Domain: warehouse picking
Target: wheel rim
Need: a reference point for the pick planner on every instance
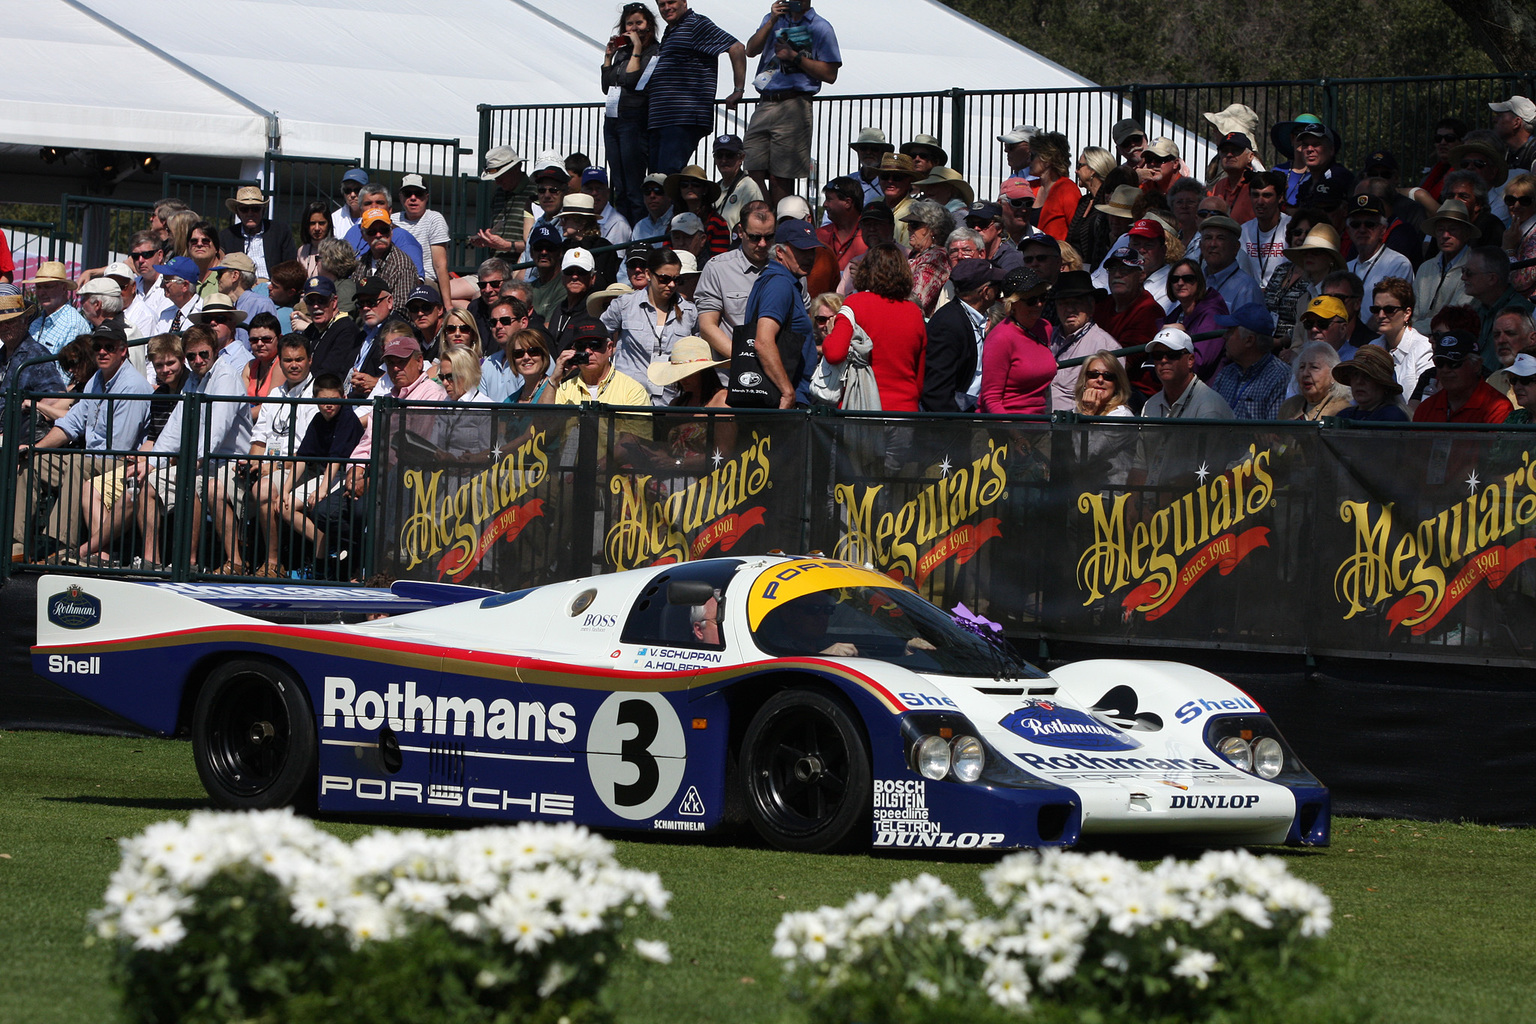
(800, 780)
(248, 735)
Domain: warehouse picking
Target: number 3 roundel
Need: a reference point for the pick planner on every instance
(636, 754)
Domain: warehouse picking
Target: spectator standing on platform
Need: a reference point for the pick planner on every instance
(1254, 381)
(682, 81)
(427, 226)
(266, 241)
(627, 56)
(799, 54)
(58, 322)
(1463, 395)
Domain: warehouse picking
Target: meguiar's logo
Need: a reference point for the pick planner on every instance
(688, 523)
(1201, 524)
(461, 525)
(935, 526)
(74, 609)
(1417, 563)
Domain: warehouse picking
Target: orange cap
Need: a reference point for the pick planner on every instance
(375, 216)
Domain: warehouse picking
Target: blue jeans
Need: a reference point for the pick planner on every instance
(628, 145)
(674, 145)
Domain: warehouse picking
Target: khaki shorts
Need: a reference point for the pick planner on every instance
(162, 480)
(778, 139)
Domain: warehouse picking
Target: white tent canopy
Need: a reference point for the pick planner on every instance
(214, 77)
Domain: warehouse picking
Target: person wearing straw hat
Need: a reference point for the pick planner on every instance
(57, 323)
(870, 145)
(1314, 259)
(237, 279)
(926, 153)
(266, 241)
(17, 349)
(897, 173)
(1373, 386)
(646, 324)
(945, 186)
(682, 374)
(1439, 281)
(1239, 118)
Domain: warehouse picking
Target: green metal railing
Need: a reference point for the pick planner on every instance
(100, 224)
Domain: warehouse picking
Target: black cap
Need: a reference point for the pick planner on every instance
(1456, 346)
(1022, 281)
(1368, 204)
(587, 329)
(372, 286)
(107, 331)
(984, 210)
(1235, 139)
(845, 187)
(1327, 194)
(879, 212)
(1076, 284)
(1382, 159)
(968, 275)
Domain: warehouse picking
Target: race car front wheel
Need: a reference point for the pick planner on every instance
(805, 767)
(253, 736)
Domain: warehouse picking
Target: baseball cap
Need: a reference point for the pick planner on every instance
(578, 258)
(687, 223)
(638, 254)
(1125, 254)
(729, 144)
(1250, 316)
(587, 328)
(545, 236)
(403, 346)
(1146, 228)
(796, 233)
(1235, 140)
(356, 174)
(100, 286)
(237, 261)
(879, 212)
(596, 174)
(1523, 366)
(984, 210)
(318, 285)
(373, 286)
(1123, 130)
(845, 187)
(1381, 159)
(184, 267)
(1328, 307)
(793, 207)
(1327, 195)
(1040, 238)
(1163, 147)
(413, 181)
(1019, 133)
(425, 293)
(117, 334)
(1368, 204)
(376, 216)
(1017, 188)
(1455, 346)
(121, 270)
(1520, 106)
(968, 275)
(1172, 338)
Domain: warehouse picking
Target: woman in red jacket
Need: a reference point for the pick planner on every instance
(883, 284)
(1017, 366)
(1056, 195)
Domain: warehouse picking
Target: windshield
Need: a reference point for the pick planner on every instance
(883, 621)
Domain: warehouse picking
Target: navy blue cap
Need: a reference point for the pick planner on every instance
(968, 275)
(1040, 238)
(318, 285)
(984, 209)
(1125, 254)
(425, 293)
(592, 174)
(545, 235)
(796, 233)
(1250, 316)
(356, 174)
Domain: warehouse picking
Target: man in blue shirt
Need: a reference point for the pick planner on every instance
(799, 52)
(681, 83)
(776, 303)
(114, 425)
(376, 197)
(58, 323)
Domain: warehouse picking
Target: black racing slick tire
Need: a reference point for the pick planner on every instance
(253, 737)
(805, 769)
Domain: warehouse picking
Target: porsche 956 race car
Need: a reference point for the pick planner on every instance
(824, 703)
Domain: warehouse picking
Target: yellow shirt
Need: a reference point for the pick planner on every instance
(614, 389)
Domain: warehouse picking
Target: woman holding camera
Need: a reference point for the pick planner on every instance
(629, 52)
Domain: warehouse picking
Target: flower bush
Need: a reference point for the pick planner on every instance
(262, 916)
(1079, 937)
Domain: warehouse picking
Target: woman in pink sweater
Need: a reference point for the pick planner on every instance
(894, 324)
(1017, 366)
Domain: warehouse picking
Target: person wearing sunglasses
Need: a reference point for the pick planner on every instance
(500, 377)
(1017, 360)
(1482, 153)
(384, 259)
(332, 335)
(897, 174)
(656, 206)
(1161, 166)
(267, 242)
(647, 324)
(1522, 384)
(148, 297)
(1448, 131)
(1391, 313)
(1182, 395)
(1520, 239)
(1463, 395)
(1195, 306)
(1485, 277)
(1129, 313)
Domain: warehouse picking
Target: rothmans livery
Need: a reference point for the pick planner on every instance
(825, 703)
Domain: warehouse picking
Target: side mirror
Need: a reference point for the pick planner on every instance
(689, 592)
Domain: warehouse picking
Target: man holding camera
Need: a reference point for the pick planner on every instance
(799, 52)
(587, 374)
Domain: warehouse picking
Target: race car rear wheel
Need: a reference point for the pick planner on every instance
(253, 736)
(805, 768)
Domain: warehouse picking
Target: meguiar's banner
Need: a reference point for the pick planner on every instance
(1276, 536)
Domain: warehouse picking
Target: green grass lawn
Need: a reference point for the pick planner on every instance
(1438, 921)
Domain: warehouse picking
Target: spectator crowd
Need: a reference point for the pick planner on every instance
(1113, 281)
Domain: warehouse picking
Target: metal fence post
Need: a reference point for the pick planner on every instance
(383, 411)
(1138, 104)
(1330, 103)
(957, 129)
(186, 489)
(584, 499)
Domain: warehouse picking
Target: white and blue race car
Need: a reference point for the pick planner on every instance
(825, 703)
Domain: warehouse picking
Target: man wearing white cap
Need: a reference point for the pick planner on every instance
(1016, 148)
(428, 227)
(59, 323)
(657, 222)
(1515, 122)
(1184, 396)
(514, 194)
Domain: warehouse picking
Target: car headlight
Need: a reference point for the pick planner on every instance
(933, 758)
(969, 757)
(1236, 750)
(1268, 757)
